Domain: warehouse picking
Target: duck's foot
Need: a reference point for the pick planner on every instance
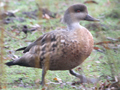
(82, 78)
(42, 83)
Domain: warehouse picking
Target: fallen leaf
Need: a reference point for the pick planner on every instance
(4, 87)
(2, 4)
(37, 81)
(15, 11)
(103, 42)
(58, 80)
(97, 61)
(96, 48)
(118, 22)
(48, 12)
(78, 69)
(106, 47)
(46, 16)
(43, 88)
(14, 86)
(91, 1)
(112, 39)
(27, 76)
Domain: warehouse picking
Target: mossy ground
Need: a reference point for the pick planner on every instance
(22, 78)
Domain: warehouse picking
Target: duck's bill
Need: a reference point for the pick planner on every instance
(90, 18)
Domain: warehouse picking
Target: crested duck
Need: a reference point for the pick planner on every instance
(60, 49)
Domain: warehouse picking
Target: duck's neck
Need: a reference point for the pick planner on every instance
(73, 26)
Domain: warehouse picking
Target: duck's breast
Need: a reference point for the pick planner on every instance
(73, 48)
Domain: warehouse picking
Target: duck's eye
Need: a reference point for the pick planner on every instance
(78, 10)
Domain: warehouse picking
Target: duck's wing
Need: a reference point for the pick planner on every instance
(27, 48)
(45, 38)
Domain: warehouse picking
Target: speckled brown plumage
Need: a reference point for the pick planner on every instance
(60, 49)
(65, 52)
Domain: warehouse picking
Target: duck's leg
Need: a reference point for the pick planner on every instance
(45, 67)
(82, 78)
(73, 73)
(44, 71)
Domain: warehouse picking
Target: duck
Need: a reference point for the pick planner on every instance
(62, 49)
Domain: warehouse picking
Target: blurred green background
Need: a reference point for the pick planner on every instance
(23, 21)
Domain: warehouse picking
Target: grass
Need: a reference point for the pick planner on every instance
(22, 78)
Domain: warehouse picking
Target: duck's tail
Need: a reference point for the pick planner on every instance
(23, 48)
(10, 63)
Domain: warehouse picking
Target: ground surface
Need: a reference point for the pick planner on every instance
(103, 62)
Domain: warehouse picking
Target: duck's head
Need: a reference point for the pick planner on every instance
(75, 13)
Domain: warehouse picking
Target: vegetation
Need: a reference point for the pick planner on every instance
(103, 63)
